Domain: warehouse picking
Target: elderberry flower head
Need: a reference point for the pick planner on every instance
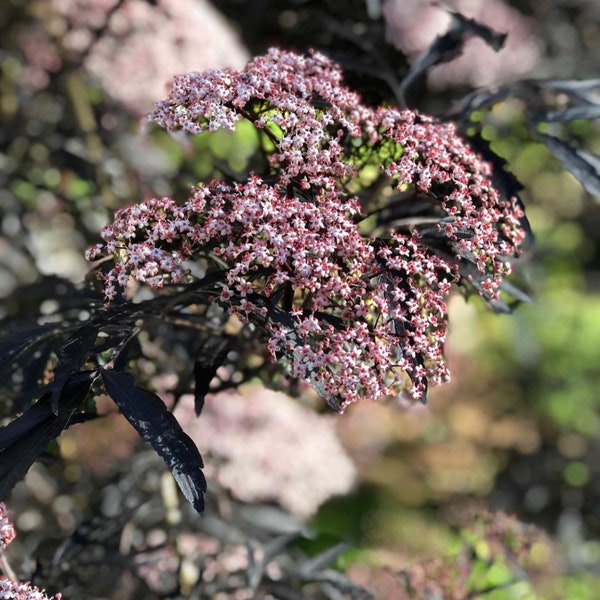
(347, 282)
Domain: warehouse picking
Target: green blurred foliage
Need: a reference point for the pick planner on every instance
(518, 427)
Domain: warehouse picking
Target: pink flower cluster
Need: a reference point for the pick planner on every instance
(478, 224)
(8, 587)
(354, 313)
(22, 591)
(7, 530)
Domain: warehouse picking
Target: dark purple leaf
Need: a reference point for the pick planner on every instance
(468, 26)
(583, 90)
(323, 559)
(71, 358)
(23, 440)
(447, 47)
(569, 85)
(584, 112)
(82, 344)
(19, 341)
(584, 166)
(150, 417)
(212, 355)
(515, 292)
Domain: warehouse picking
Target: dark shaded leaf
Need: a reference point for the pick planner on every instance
(337, 585)
(212, 355)
(584, 166)
(322, 560)
(468, 26)
(26, 301)
(585, 112)
(99, 530)
(256, 570)
(148, 414)
(83, 343)
(25, 439)
(583, 90)
(18, 341)
(24, 359)
(22, 425)
(477, 100)
(472, 279)
(515, 292)
(570, 85)
(447, 47)
(131, 349)
(409, 210)
(71, 357)
(269, 518)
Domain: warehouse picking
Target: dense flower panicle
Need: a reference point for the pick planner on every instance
(298, 100)
(357, 314)
(478, 224)
(22, 591)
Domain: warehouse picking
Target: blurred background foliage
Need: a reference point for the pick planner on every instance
(518, 428)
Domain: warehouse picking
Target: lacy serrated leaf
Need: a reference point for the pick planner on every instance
(150, 417)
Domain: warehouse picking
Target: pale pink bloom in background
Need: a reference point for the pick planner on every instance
(264, 446)
(41, 58)
(412, 25)
(146, 45)
(140, 48)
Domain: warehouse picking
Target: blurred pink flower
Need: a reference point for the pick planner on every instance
(41, 58)
(265, 446)
(413, 24)
(141, 45)
(146, 45)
